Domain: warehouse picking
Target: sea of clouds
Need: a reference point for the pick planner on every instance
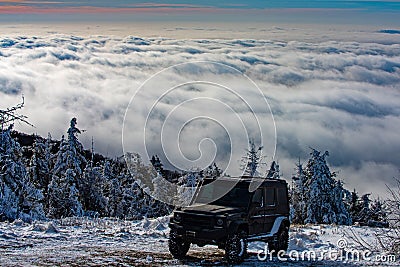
(343, 97)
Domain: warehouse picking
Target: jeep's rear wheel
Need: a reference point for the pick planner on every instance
(236, 247)
(281, 242)
(177, 245)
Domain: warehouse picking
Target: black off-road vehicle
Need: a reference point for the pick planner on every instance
(231, 220)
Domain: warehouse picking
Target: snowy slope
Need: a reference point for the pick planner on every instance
(96, 242)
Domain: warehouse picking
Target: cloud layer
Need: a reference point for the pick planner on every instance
(336, 96)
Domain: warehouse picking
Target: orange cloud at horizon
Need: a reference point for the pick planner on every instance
(146, 8)
(30, 2)
(165, 5)
(91, 10)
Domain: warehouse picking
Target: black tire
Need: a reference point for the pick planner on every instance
(236, 247)
(281, 242)
(177, 246)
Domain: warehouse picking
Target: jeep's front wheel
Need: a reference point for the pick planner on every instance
(281, 240)
(236, 247)
(177, 246)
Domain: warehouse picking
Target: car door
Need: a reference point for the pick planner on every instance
(270, 204)
(257, 212)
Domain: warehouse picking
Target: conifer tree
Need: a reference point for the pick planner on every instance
(113, 190)
(213, 171)
(365, 213)
(39, 165)
(188, 185)
(339, 200)
(143, 174)
(134, 200)
(298, 196)
(67, 176)
(252, 160)
(355, 206)
(18, 196)
(274, 172)
(156, 162)
(379, 212)
(92, 188)
(324, 195)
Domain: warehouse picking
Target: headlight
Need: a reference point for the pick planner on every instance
(177, 217)
(220, 222)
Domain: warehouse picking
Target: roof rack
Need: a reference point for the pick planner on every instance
(244, 178)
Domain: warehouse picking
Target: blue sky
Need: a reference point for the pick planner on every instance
(238, 4)
(296, 11)
(224, 4)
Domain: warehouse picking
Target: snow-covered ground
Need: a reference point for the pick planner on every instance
(108, 242)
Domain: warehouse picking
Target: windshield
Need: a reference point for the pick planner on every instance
(238, 196)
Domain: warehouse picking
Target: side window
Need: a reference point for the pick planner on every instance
(270, 196)
(258, 198)
(282, 196)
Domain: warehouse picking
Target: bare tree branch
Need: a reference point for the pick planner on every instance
(9, 115)
(390, 240)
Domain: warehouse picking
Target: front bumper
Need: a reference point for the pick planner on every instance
(199, 236)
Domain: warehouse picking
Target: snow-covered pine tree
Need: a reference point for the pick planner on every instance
(66, 180)
(252, 160)
(143, 174)
(136, 203)
(136, 188)
(113, 189)
(274, 172)
(298, 196)
(187, 189)
(355, 207)
(72, 205)
(115, 202)
(164, 191)
(319, 187)
(161, 186)
(369, 212)
(340, 196)
(156, 162)
(92, 188)
(18, 197)
(123, 193)
(213, 171)
(365, 213)
(323, 200)
(48, 147)
(64, 196)
(70, 154)
(39, 165)
(379, 213)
